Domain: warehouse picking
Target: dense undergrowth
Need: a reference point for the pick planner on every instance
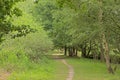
(24, 58)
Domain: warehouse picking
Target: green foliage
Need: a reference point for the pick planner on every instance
(84, 23)
(8, 10)
(61, 26)
(39, 45)
(34, 45)
(43, 13)
(12, 55)
(25, 57)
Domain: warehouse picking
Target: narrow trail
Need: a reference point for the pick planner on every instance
(71, 70)
(4, 75)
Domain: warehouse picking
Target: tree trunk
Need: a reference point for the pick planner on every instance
(106, 54)
(76, 52)
(70, 51)
(84, 51)
(101, 54)
(65, 50)
(104, 41)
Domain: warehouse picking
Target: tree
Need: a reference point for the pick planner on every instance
(43, 13)
(8, 10)
(92, 15)
(104, 41)
(82, 25)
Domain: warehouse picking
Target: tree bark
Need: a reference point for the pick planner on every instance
(104, 41)
(106, 54)
(101, 54)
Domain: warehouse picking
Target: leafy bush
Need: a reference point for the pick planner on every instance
(37, 45)
(20, 52)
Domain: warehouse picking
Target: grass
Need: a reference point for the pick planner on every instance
(53, 70)
(60, 72)
(47, 69)
(86, 69)
(42, 71)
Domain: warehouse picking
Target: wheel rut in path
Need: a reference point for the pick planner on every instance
(71, 70)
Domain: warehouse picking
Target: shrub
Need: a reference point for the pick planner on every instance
(20, 52)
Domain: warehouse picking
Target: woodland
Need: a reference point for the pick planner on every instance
(59, 39)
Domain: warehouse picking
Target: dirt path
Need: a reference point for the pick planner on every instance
(71, 70)
(4, 75)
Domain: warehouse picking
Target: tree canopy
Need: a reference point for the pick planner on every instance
(88, 27)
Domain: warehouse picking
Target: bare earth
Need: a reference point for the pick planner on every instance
(4, 75)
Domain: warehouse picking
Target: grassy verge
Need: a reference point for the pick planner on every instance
(42, 71)
(86, 69)
(49, 70)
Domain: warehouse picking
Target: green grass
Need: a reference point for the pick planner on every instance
(86, 69)
(47, 69)
(53, 70)
(60, 72)
(42, 71)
